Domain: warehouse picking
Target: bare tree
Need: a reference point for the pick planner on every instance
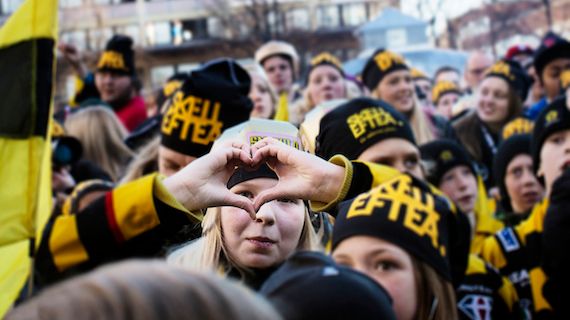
(428, 11)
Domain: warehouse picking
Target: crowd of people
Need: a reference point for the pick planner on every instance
(258, 191)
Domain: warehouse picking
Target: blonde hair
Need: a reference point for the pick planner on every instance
(145, 162)
(435, 295)
(254, 68)
(419, 122)
(209, 253)
(102, 137)
(140, 289)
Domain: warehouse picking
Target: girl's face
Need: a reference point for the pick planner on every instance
(460, 185)
(522, 186)
(271, 237)
(261, 97)
(397, 89)
(493, 101)
(325, 83)
(387, 264)
(397, 153)
(445, 104)
(554, 157)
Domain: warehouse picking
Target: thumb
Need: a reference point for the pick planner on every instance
(267, 196)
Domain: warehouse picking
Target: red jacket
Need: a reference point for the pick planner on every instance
(132, 114)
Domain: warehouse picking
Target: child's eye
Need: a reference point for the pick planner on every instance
(287, 200)
(246, 194)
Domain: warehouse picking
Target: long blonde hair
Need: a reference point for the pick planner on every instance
(419, 122)
(209, 253)
(102, 137)
(145, 162)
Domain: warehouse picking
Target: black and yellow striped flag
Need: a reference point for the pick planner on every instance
(26, 86)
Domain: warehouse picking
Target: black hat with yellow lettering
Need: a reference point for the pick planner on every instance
(442, 88)
(440, 156)
(552, 47)
(118, 56)
(519, 125)
(213, 98)
(554, 118)
(406, 212)
(512, 72)
(327, 59)
(381, 63)
(353, 127)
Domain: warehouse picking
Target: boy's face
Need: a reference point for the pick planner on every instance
(554, 157)
(551, 76)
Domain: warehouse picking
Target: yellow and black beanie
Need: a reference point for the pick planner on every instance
(440, 156)
(512, 72)
(442, 88)
(551, 47)
(519, 125)
(324, 58)
(554, 118)
(213, 98)
(417, 74)
(353, 127)
(508, 149)
(256, 130)
(405, 212)
(173, 83)
(379, 65)
(119, 56)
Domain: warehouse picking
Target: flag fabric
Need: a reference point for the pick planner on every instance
(26, 86)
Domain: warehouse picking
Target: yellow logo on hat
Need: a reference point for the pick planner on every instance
(370, 120)
(409, 205)
(170, 87)
(446, 156)
(517, 126)
(442, 88)
(501, 68)
(551, 116)
(193, 113)
(386, 59)
(326, 57)
(112, 60)
(565, 79)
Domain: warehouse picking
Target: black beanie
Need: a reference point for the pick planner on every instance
(551, 47)
(172, 84)
(118, 56)
(512, 72)
(381, 63)
(324, 58)
(555, 117)
(404, 211)
(508, 150)
(310, 285)
(442, 155)
(213, 98)
(519, 125)
(442, 88)
(353, 127)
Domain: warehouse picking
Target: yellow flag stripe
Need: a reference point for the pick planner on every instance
(34, 19)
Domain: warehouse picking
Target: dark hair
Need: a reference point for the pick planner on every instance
(445, 69)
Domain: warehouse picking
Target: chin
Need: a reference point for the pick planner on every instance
(260, 261)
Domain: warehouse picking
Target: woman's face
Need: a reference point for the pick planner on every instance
(554, 157)
(397, 153)
(271, 237)
(446, 103)
(493, 101)
(460, 185)
(325, 83)
(261, 97)
(522, 186)
(387, 264)
(397, 89)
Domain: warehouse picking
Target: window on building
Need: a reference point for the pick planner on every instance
(354, 14)
(194, 29)
(159, 33)
(328, 17)
(298, 19)
(215, 28)
(98, 38)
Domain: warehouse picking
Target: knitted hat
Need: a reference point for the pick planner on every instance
(404, 211)
(417, 74)
(278, 48)
(310, 285)
(442, 88)
(256, 130)
(508, 150)
(118, 56)
(440, 156)
(554, 118)
(381, 63)
(518, 49)
(214, 97)
(518, 125)
(514, 74)
(324, 58)
(551, 47)
(360, 123)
